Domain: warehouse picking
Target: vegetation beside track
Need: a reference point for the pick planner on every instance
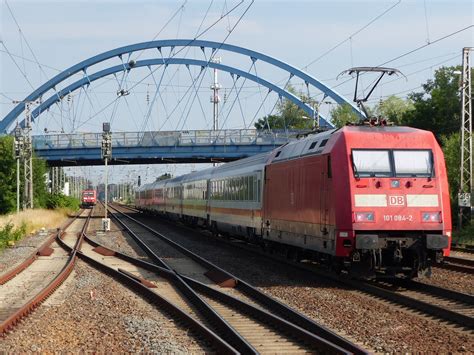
(10, 234)
(14, 227)
(465, 235)
(55, 201)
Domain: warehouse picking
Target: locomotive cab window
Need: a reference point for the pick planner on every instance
(371, 163)
(413, 163)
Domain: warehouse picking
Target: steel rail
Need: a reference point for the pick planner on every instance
(462, 261)
(299, 320)
(465, 249)
(436, 291)
(462, 265)
(35, 301)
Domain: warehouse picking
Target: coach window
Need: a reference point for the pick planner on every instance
(413, 163)
(259, 189)
(246, 189)
(251, 197)
(371, 163)
(231, 189)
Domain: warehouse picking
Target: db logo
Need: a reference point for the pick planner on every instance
(396, 200)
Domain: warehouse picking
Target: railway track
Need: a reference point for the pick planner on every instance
(263, 322)
(452, 306)
(468, 249)
(458, 264)
(26, 286)
(150, 282)
(439, 305)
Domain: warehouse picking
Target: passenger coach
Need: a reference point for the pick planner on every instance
(360, 198)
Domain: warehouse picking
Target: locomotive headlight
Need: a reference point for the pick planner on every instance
(364, 217)
(431, 217)
(395, 184)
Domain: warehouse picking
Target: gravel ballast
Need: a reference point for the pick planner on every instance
(94, 313)
(15, 255)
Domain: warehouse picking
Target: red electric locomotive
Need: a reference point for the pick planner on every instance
(89, 198)
(364, 199)
(368, 199)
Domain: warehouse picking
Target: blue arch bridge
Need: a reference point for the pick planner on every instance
(166, 147)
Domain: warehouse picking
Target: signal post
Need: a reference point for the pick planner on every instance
(106, 155)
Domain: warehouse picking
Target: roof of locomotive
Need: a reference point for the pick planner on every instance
(320, 143)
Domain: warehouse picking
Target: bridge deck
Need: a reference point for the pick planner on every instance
(158, 147)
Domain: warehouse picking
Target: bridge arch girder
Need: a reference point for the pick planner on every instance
(172, 61)
(159, 44)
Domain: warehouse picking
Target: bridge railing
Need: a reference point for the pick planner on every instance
(165, 138)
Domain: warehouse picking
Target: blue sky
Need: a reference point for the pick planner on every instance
(62, 33)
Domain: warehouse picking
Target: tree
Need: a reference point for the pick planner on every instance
(342, 115)
(40, 191)
(452, 156)
(7, 175)
(437, 109)
(8, 178)
(289, 115)
(394, 109)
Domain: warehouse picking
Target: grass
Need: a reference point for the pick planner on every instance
(14, 227)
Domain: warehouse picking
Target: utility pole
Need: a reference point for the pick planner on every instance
(106, 155)
(215, 99)
(466, 187)
(26, 154)
(28, 161)
(18, 148)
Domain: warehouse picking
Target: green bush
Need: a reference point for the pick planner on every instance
(11, 234)
(55, 201)
(465, 235)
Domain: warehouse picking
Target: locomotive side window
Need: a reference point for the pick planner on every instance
(371, 163)
(413, 162)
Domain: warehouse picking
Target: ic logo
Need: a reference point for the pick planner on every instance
(396, 200)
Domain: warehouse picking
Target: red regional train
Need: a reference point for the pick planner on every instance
(88, 198)
(369, 200)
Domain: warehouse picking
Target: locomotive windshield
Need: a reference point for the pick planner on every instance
(388, 163)
(413, 162)
(371, 163)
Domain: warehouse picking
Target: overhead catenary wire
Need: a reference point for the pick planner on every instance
(24, 37)
(410, 52)
(25, 76)
(349, 38)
